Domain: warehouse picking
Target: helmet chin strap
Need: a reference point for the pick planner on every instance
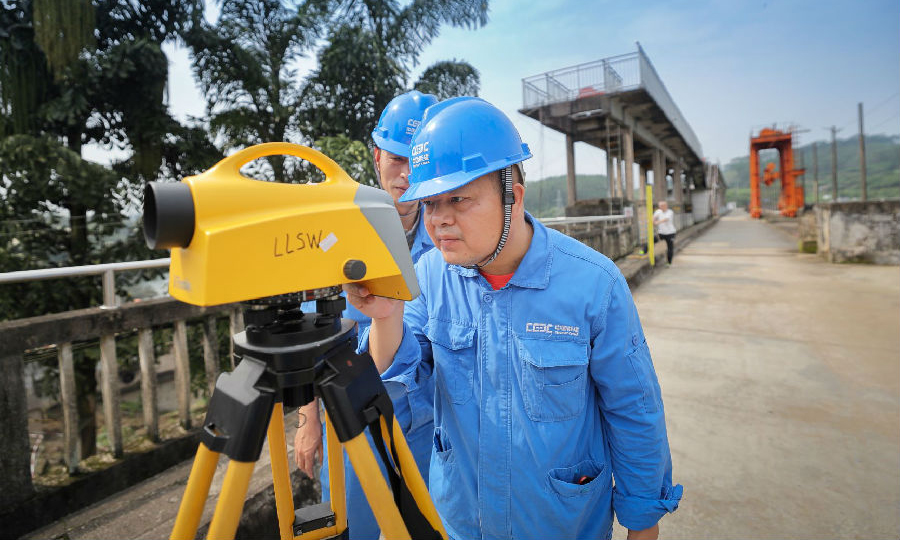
(508, 200)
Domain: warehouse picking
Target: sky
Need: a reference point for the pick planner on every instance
(731, 66)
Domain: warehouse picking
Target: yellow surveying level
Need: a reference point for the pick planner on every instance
(273, 246)
(236, 239)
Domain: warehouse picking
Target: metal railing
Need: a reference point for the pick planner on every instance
(613, 74)
(610, 75)
(580, 219)
(107, 270)
(585, 223)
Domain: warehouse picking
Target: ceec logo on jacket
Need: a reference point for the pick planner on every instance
(550, 328)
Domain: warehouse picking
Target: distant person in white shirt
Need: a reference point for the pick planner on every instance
(664, 220)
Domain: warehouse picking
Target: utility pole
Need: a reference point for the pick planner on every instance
(834, 186)
(816, 170)
(862, 154)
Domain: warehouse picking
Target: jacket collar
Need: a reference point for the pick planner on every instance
(534, 269)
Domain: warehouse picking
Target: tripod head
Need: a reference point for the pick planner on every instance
(286, 356)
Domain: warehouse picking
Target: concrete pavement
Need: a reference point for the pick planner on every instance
(781, 380)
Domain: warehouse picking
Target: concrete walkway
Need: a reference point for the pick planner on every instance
(781, 379)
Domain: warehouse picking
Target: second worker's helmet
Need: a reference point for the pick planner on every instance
(459, 140)
(399, 121)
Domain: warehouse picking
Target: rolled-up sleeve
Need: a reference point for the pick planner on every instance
(407, 357)
(634, 420)
(638, 513)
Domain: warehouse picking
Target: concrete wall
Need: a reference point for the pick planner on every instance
(596, 207)
(808, 232)
(613, 239)
(15, 451)
(683, 220)
(700, 204)
(640, 221)
(859, 231)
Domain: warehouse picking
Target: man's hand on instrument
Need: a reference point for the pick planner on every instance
(375, 307)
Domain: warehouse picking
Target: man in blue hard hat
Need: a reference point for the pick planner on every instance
(545, 392)
(412, 401)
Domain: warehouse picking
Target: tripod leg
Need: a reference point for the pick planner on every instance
(336, 476)
(231, 500)
(412, 477)
(377, 493)
(281, 476)
(195, 494)
(337, 506)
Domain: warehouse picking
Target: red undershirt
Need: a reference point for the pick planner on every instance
(497, 281)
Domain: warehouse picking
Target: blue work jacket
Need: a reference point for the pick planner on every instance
(411, 394)
(545, 394)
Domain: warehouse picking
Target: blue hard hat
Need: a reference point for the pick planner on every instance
(399, 120)
(459, 140)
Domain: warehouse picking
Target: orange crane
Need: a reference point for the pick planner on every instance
(791, 197)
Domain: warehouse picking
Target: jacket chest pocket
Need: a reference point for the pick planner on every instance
(454, 358)
(554, 378)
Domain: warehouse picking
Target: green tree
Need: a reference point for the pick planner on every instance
(77, 72)
(350, 87)
(368, 56)
(246, 67)
(353, 156)
(74, 72)
(449, 79)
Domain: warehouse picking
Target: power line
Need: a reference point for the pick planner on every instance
(870, 111)
(876, 107)
(884, 121)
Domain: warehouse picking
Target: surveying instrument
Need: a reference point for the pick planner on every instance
(272, 246)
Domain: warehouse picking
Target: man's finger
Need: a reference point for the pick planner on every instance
(356, 289)
(306, 465)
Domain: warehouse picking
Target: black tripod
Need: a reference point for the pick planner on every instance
(286, 358)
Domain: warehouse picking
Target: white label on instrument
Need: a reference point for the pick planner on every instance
(328, 242)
